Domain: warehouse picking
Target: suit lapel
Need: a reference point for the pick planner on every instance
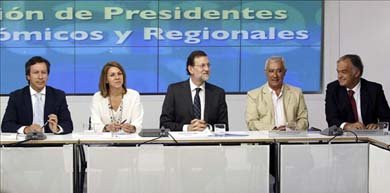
(48, 104)
(188, 97)
(28, 105)
(346, 105)
(47, 109)
(207, 98)
(286, 100)
(364, 99)
(269, 102)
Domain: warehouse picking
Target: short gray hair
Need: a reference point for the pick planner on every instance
(274, 59)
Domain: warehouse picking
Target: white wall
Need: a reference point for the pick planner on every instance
(360, 27)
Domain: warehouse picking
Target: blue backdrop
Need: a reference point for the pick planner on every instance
(152, 39)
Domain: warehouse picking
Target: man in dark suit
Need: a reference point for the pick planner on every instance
(193, 104)
(37, 107)
(352, 102)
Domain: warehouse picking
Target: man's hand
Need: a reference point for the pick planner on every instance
(372, 126)
(33, 128)
(280, 128)
(356, 125)
(197, 125)
(128, 128)
(53, 123)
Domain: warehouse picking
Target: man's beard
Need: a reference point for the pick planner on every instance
(205, 77)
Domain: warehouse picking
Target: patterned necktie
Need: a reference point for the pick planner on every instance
(38, 109)
(196, 105)
(353, 104)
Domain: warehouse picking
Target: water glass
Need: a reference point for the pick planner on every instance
(219, 129)
(385, 127)
(291, 126)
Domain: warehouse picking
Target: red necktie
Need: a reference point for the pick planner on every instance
(353, 104)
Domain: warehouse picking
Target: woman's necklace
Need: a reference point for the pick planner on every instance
(115, 116)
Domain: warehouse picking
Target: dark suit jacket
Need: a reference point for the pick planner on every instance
(373, 104)
(19, 110)
(177, 108)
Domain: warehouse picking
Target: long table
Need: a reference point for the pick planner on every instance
(202, 163)
(379, 167)
(42, 166)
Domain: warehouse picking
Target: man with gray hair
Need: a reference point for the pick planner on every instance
(274, 104)
(351, 101)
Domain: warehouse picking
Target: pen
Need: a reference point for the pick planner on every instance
(123, 121)
(44, 125)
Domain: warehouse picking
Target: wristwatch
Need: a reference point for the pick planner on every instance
(105, 128)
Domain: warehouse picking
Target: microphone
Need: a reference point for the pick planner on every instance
(164, 132)
(37, 135)
(332, 131)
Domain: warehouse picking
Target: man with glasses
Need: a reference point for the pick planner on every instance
(274, 104)
(193, 104)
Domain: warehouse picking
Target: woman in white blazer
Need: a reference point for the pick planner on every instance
(115, 107)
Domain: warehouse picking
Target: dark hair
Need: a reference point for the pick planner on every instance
(192, 56)
(103, 85)
(355, 60)
(34, 60)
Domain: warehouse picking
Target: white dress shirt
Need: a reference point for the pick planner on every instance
(33, 102)
(202, 99)
(356, 96)
(277, 101)
(132, 110)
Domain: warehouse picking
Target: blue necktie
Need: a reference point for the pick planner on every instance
(196, 106)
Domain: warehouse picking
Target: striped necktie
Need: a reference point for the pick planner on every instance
(196, 106)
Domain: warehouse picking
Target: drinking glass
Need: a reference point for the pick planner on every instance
(219, 129)
(385, 127)
(291, 126)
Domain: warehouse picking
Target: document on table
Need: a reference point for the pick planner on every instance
(237, 133)
(103, 135)
(191, 134)
(204, 134)
(8, 136)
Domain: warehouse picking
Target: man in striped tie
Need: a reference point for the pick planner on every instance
(194, 104)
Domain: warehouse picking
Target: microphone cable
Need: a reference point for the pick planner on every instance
(151, 140)
(331, 139)
(25, 140)
(18, 143)
(356, 136)
(170, 135)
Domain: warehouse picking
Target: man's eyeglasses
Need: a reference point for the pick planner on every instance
(203, 65)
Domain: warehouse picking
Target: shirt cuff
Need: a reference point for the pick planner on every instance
(60, 131)
(185, 128)
(21, 130)
(342, 125)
